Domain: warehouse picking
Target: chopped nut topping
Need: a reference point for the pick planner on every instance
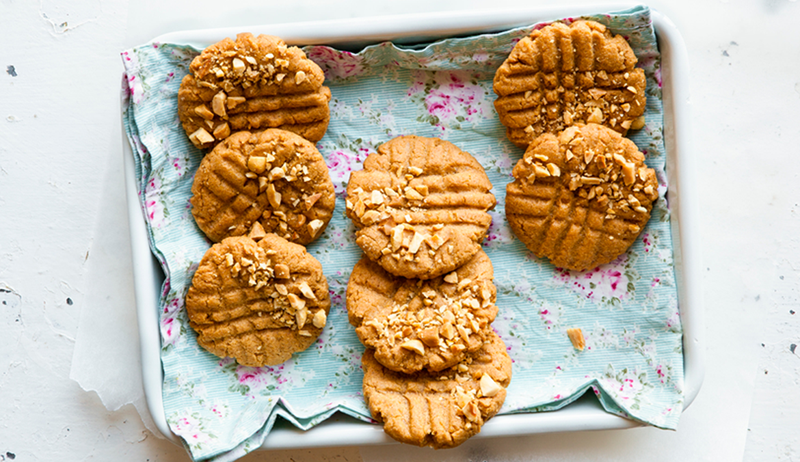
(638, 123)
(540, 171)
(203, 112)
(238, 66)
(301, 316)
(416, 242)
(257, 164)
(299, 77)
(553, 169)
(282, 272)
(257, 232)
(277, 173)
(201, 136)
(413, 194)
(274, 197)
(595, 117)
(436, 241)
(489, 387)
(218, 104)
(319, 320)
(311, 200)
(296, 302)
(304, 333)
(370, 216)
(430, 337)
(222, 131)
(416, 171)
(234, 101)
(414, 345)
(315, 226)
(451, 278)
(306, 291)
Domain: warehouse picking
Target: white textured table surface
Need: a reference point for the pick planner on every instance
(65, 268)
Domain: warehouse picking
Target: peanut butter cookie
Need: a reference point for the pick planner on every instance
(252, 83)
(439, 409)
(561, 75)
(580, 198)
(413, 324)
(420, 206)
(257, 301)
(273, 177)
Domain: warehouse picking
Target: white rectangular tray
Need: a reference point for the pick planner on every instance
(584, 414)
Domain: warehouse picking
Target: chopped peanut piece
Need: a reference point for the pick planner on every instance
(301, 316)
(282, 271)
(218, 104)
(203, 112)
(306, 291)
(414, 345)
(257, 164)
(489, 387)
(452, 278)
(296, 302)
(201, 136)
(315, 226)
(222, 131)
(257, 232)
(320, 318)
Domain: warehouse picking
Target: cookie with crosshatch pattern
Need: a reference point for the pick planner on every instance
(420, 206)
(439, 409)
(272, 177)
(252, 83)
(413, 324)
(582, 197)
(257, 299)
(561, 75)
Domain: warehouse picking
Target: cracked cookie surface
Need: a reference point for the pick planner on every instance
(249, 84)
(257, 301)
(420, 206)
(413, 324)
(273, 177)
(439, 409)
(580, 198)
(563, 75)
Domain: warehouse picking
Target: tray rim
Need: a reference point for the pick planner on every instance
(583, 414)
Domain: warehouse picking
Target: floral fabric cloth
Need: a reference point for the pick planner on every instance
(628, 309)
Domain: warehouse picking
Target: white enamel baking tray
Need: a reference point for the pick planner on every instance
(584, 414)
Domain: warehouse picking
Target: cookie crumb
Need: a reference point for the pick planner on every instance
(576, 337)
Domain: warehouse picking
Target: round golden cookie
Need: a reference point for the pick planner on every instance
(420, 206)
(413, 324)
(257, 301)
(439, 409)
(252, 83)
(562, 75)
(580, 198)
(272, 177)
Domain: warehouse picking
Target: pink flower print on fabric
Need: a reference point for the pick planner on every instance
(450, 98)
(602, 283)
(170, 326)
(499, 232)
(132, 77)
(152, 202)
(336, 64)
(341, 162)
(190, 428)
